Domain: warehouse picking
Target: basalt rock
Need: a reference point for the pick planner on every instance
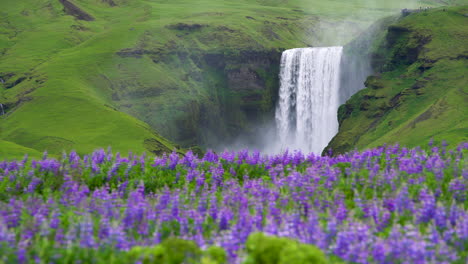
(73, 10)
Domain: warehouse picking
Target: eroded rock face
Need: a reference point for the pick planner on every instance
(247, 75)
(184, 26)
(73, 10)
(406, 99)
(245, 79)
(246, 98)
(229, 92)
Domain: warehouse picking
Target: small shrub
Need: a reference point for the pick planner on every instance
(262, 249)
(214, 255)
(178, 251)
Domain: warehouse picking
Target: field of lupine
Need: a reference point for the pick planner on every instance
(384, 205)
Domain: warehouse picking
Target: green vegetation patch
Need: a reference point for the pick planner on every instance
(74, 72)
(420, 90)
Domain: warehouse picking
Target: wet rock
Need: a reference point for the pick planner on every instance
(245, 79)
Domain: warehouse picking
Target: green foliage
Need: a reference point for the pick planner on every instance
(419, 88)
(302, 254)
(214, 255)
(177, 251)
(262, 249)
(144, 65)
(10, 150)
(170, 251)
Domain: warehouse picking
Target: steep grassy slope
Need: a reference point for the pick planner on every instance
(11, 150)
(83, 74)
(421, 90)
(50, 103)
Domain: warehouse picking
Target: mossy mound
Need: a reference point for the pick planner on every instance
(420, 89)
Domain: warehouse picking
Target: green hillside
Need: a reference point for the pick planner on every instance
(84, 74)
(420, 90)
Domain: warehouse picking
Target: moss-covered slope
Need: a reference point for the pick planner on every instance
(82, 74)
(421, 88)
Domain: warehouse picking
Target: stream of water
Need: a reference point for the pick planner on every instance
(306, 114)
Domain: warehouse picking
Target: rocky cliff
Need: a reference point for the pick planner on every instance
(419, 90)
(223, 93)
(82, 74)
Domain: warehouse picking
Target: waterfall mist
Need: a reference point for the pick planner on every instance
(356, 16)
(292, 127)
(314, 82)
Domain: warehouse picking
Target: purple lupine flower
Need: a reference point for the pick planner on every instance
(21, 252)
(253, 159)
(118, 238)
(33, 185)
(217, 175)
(431, 142)
(173, 160)
(428, 206)
(210, 156)
(402, 201)
(213, 210)
(331, 231)
(228, 156)
(454, 214)
(86, 234)
(289, 202)
(341, 212)
(458, 189)
(380, 252)
(6, 235)
(389, 204)
(440, 217)
(461, 230)
(225, 218)
(190, 160)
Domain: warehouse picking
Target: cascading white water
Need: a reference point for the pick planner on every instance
(306, 115)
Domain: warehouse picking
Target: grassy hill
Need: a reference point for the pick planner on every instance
(420, 90)
(84, 74)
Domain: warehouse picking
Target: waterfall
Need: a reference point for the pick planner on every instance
(306, 115)
(3, 111)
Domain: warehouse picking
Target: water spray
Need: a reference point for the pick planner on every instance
(306, 115)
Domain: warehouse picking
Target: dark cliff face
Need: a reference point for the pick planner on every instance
(216, 95)
(73, 10)
(248, 96)
(418, 85)
(254, 78)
